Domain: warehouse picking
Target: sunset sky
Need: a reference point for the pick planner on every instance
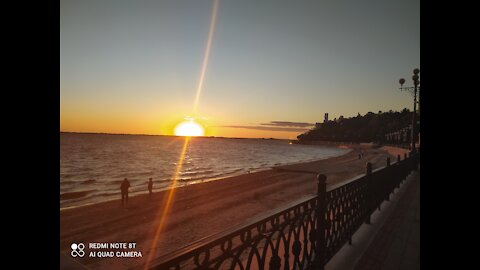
(273, 67)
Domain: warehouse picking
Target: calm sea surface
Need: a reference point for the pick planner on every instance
(92, 166)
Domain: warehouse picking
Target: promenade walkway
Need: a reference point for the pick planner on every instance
(392, 240)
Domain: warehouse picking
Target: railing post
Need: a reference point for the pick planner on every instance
(410, 161)
(389, 178)
(398, 171)
(416, 160)
(368, 172)
(321, 244)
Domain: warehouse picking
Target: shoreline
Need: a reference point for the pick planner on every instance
(196, 182)
(199, 210)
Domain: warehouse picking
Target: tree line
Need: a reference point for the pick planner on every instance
(371, 127)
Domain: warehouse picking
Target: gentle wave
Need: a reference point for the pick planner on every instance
(74, 195)
(90, 181)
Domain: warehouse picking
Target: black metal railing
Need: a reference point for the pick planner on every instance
(287, 238)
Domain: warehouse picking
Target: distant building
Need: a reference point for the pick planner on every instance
(326, 118)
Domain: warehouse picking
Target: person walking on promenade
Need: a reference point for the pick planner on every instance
(150, 187)
(124, 188)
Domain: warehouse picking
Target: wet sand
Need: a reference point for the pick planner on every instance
(203, 209)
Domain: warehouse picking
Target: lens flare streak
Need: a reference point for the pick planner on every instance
(207, 54)
(163, 211)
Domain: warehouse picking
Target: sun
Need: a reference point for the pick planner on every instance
(189, 128)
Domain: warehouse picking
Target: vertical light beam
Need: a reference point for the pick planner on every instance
(206, 55)
(163, 212)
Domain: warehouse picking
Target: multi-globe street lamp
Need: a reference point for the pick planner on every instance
(415, 88)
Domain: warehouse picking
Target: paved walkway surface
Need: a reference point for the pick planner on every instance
(396, 246)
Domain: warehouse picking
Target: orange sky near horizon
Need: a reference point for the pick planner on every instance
(154, 126)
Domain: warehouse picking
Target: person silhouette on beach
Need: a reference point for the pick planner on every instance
(150, 186)
(124, 188)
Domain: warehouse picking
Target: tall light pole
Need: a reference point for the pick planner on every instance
(416, 82)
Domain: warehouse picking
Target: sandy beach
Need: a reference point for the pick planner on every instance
(200, 210)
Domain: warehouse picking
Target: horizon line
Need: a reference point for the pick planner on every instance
(143, 134)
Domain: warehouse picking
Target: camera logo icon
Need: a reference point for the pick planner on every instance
(77, 250)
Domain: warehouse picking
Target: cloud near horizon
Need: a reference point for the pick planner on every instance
(287, 124)
(278, 126)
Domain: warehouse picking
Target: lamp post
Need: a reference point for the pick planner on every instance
(416, 82)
